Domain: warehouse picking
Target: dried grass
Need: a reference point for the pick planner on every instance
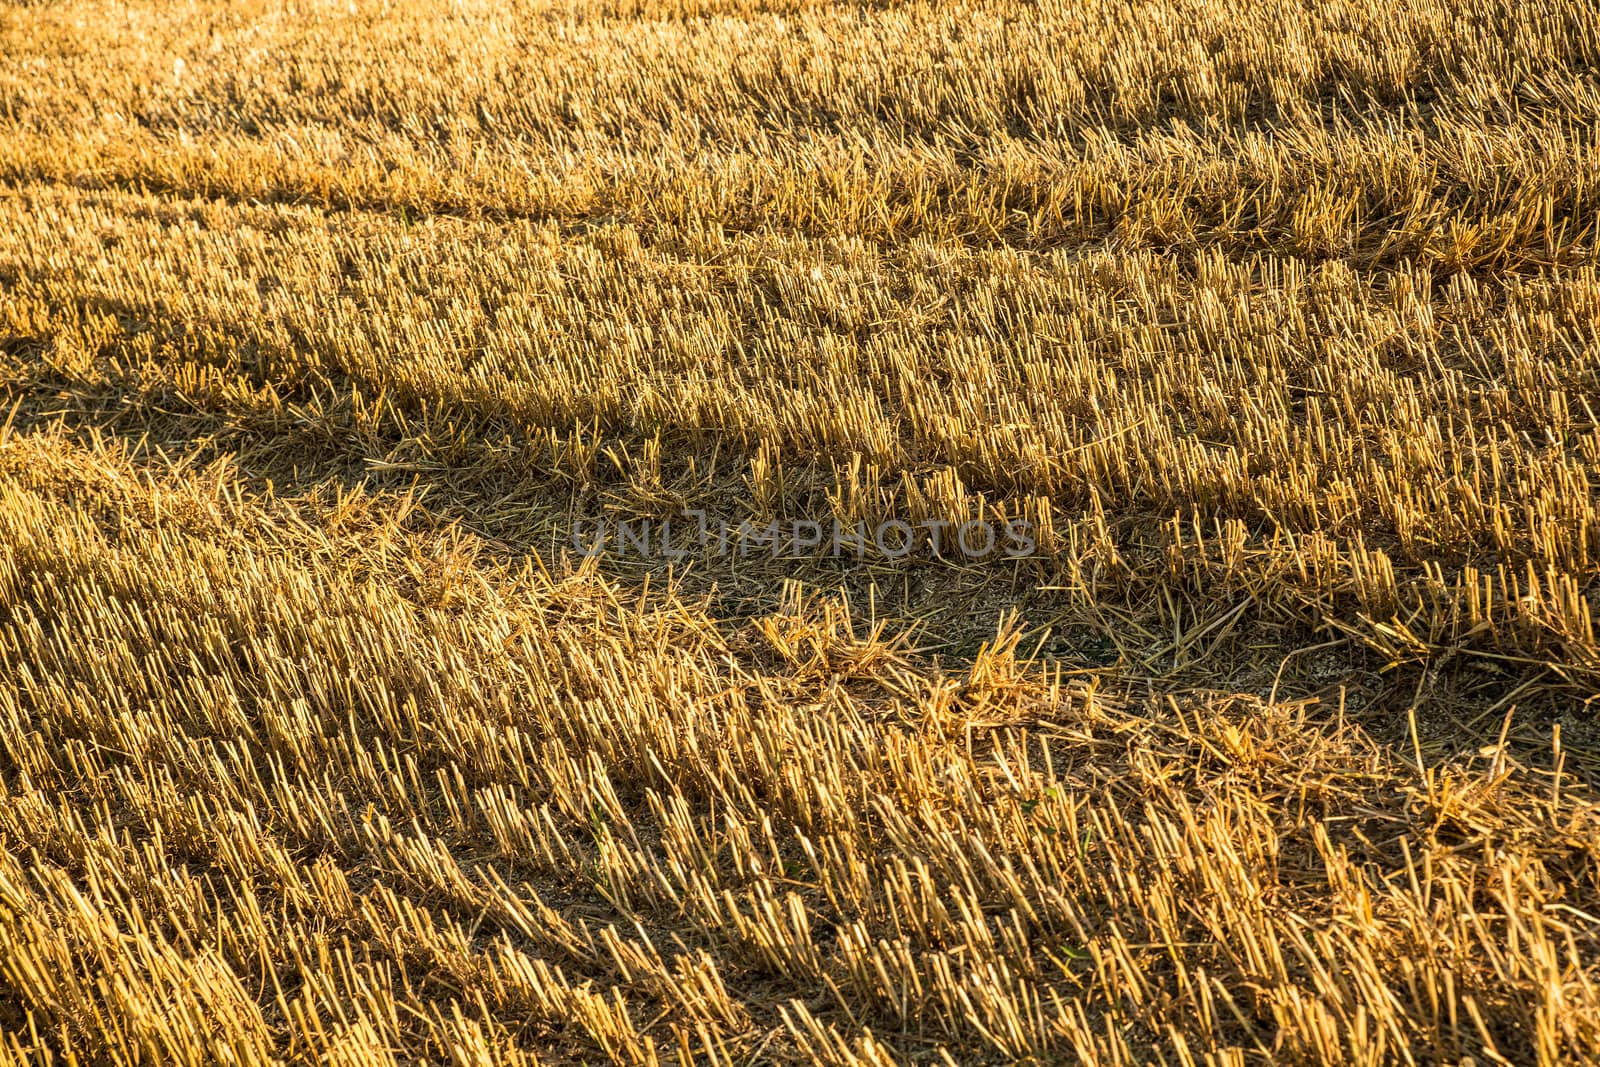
(318, 325)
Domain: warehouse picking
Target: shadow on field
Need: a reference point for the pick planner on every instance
(314, 449)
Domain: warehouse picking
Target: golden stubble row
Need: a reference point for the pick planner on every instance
(1451, 134)
(265, 801)
(1358, 449)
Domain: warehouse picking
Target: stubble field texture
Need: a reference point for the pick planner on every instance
(321, 323)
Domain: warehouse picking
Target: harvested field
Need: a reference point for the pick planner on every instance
(326, 328)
